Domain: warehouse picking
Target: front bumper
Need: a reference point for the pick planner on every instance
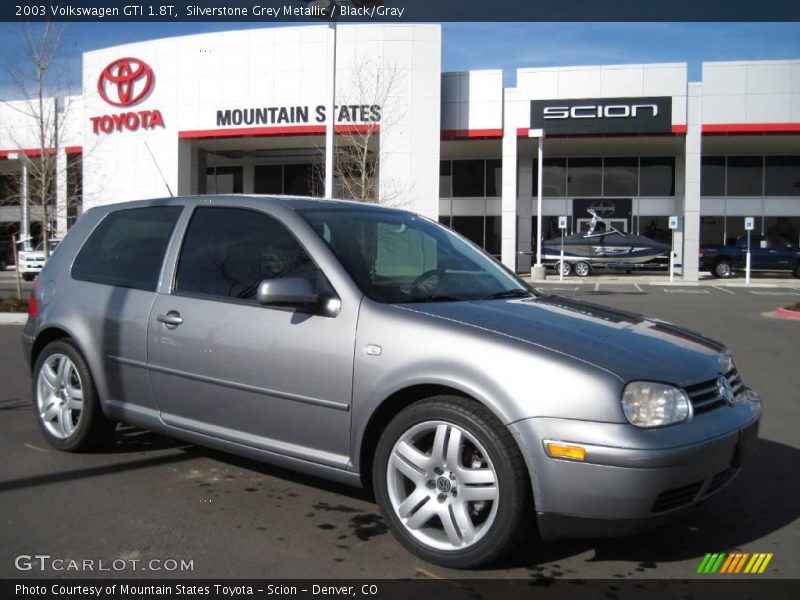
(633, 479)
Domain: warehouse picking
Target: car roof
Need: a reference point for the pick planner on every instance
(291, 202)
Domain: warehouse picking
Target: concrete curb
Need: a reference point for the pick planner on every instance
(785, 313)
(9, 318)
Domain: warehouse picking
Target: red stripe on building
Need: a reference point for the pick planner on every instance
(276, 131)
(721, 128)
(470, 134)
(74, 149)
(679, 129)
(29, 152)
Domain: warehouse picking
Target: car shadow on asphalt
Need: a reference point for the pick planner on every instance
(762, 500)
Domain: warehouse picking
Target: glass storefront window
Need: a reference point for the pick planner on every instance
(712, 176)
(734, 227)
(584, 176)
(745, 176)
(786, 227)
(712, 230)
(493, 236)
(268, 179)
(782, 176)
(620, 176)
(657, 176)
(494, 178)
(554, 177)
(468, 179)
(655, 227)
(445, 179)
(470, 227)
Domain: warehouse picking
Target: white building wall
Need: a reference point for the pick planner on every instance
(198, 75)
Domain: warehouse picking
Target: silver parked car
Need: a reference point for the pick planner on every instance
(375, 347)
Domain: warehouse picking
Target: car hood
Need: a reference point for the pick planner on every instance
(626, 344)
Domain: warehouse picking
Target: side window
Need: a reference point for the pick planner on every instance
(227, 252)
(127, 248)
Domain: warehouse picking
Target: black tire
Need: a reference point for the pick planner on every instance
(514, 507)
(93, 427)
(28, 276)
(567, 268)
(722, 269)
(796, 271)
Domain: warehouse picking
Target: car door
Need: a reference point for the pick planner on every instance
(781, 253)
(275, 378)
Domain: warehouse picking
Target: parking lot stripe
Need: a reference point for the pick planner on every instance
(636, 285)
(722, 289)
(597, 286)
(773, 293)
(32, 447)
(682, 291)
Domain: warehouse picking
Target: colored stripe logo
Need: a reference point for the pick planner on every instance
(734, 563)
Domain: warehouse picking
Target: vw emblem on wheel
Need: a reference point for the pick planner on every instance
(725, 389)
(443, 484)
(125, 81)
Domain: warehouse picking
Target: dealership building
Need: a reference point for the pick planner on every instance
(245, 112)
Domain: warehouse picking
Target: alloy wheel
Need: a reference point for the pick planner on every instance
(59, 396)
(442, 485)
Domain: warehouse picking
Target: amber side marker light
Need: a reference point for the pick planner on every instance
(566, 451)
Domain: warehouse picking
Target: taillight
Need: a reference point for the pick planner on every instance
(33, 307)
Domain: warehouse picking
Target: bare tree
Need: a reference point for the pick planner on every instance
(361, 112)
(39, 81)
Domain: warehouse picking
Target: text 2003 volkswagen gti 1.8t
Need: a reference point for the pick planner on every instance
(375, 347)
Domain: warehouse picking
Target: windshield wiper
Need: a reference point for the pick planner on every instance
(515, 293)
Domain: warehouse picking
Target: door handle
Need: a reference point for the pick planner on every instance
(172, 319)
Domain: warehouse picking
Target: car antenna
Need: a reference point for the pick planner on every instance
(155, 162)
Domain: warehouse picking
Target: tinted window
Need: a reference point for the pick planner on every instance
(468, 179)
(470, 227)
(585, 177)
(301, 180)
(712, 176)
(554, 177)
(268, 179)
(745, 175)
(445, 179)
(782, 177)
(494, 178)
(227, 252)
(127, 247)
(621, 176)
(657, 176)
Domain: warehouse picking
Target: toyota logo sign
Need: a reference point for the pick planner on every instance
(125, 81)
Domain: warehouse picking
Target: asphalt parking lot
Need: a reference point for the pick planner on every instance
(146, 497)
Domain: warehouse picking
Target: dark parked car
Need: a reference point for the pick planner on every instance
(376, 347)
(767, 253)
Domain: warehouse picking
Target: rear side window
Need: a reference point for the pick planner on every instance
(227, 252)
(127, 248)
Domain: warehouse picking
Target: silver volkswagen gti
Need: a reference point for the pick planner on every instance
(375, 347)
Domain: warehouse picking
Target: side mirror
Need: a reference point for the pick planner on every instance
(286, 290)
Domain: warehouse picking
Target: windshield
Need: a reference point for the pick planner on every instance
(401, 257)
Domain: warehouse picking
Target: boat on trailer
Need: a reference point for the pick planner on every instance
(602, 245)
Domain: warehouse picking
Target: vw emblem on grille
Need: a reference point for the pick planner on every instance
(443, 484)
(725, 389)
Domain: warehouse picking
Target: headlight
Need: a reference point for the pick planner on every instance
(725, 363)
(650, 404)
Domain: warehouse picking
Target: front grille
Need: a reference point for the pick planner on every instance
(677, 497)
(705, 396)
(719, 480)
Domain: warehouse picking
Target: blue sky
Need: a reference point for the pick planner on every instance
(499, 45)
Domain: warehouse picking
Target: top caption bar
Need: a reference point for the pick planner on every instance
(398, 11)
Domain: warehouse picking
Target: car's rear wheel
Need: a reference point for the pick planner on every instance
(796, 271)
(28, 276)
(583, 269)
(65, 399)
(451, 482)
(722, 269)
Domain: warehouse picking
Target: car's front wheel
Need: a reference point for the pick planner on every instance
(451, 482)
(65, 399)
(583, 269)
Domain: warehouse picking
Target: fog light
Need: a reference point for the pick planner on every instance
(569, 451)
